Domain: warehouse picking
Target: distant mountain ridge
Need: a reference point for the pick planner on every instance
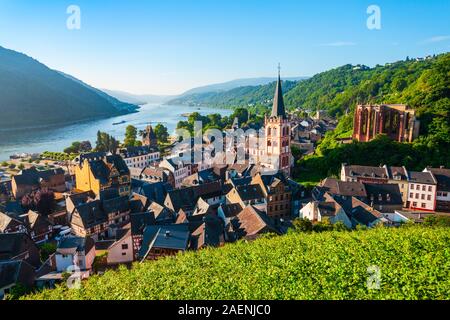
(33, 95)
(237, 97)
(229, 85)
(138, 99)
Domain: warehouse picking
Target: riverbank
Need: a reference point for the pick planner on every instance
(58, 138)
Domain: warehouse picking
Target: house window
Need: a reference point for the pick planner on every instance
(411, 195)
(429, 197)
(424, 188)
(430, 188)
(423, 197)
(417, 196)
(444, 194)
(418, 187)
(124, 253)
(423, 205)
(414, 204)
(412, 186)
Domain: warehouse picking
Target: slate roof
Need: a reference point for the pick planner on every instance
(139, 221)
(366, 171)
(250, 192)
(5, 187)
(187, 198)
(173, 236)
(119, 204)
(155, 191)
(278, 103)
(92, 156)
(398, 172)
(101, 169)
(91, 214)
(328, 208)
(363, 213)
(80, 198)
(80, 244)
(385, 193)
(132, 152)
(10, 272)
(442, 176)
(209, 233)
(161, 213)
(32, 177)
(11, 244)
(421, 177)
(204, 176)
(13, 207)
(37, 222)
(344, 188)
(231, 210)
(5, 220)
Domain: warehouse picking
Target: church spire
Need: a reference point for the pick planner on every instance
(278, 103)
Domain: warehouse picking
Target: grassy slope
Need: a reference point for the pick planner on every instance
(414, 264)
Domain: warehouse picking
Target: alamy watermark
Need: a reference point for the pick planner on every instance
(374, 19)
(216, 147)
(374, 279)
(73, 22)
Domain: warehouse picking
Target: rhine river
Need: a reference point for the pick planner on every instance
(59, 138)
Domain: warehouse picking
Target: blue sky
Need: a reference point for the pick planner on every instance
(166, 47)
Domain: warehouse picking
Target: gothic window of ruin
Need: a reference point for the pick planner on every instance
(269, 131)
(395, 122)
(269, 143)
(372, 121)
(365, 116)
(387, 121)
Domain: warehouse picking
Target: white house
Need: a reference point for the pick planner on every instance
(316, 211)
(119, 250)
(75, 252)
(178, 169)
(140, 157)
(422, 191)
(442, 176)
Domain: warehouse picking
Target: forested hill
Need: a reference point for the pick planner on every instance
(237, 97)
(32, 95)
(421, 84)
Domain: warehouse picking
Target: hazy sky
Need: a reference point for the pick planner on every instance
(166, 47)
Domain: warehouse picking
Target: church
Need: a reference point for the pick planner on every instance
(272, 149)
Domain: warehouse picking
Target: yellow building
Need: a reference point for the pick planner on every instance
(109, 172)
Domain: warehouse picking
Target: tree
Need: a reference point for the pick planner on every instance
(130, 136)
(41, 200)
(302, 225)
(46, 250)
(106, 143)
(21, 166)
(161, 133)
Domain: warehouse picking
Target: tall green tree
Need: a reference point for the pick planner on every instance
(130, 136)
(161, 132)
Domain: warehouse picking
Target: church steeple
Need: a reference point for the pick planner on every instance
(278, 103)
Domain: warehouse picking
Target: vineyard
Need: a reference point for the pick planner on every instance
(411, 262)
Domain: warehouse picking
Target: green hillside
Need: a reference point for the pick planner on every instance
(413, 263)
(32, 95)
(237, 97)
(424, 85)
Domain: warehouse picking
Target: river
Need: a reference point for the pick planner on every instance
(59, 138)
